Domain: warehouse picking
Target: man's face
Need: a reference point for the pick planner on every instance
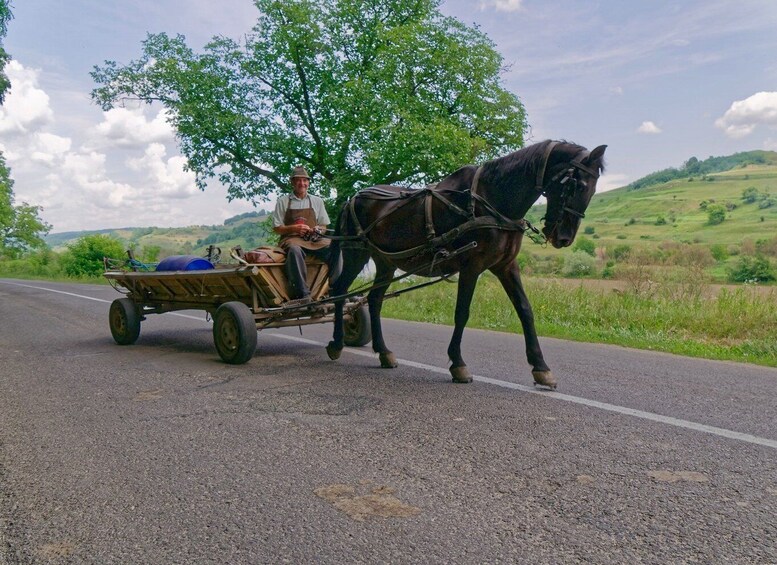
(300, 185)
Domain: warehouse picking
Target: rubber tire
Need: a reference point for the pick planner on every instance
(358, 331)
(124, 320)
(234, 333)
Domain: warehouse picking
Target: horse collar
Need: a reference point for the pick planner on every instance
(540, 185)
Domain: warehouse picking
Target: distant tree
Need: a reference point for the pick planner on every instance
(716, 214)
(382, 91)
(20, 226)
(84, 257)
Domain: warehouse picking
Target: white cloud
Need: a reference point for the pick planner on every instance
(648, 127)
(501, 5)
(167, 177)
(611, 181)
(744, 116)
(86, 174)
(47, 148)
(26, 107)
(123, 127)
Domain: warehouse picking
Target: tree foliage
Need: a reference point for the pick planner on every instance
(84, 258)
(20, 227)
(361, 92)
(753, 270)
(5, 16)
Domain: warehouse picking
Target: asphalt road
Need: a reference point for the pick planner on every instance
(160, 453)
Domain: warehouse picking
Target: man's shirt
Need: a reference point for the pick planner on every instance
(309, 201)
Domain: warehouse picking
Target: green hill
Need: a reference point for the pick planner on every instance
(247, 230)
(678, 209)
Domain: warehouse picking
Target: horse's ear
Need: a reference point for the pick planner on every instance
(596, 154)
(596, 157)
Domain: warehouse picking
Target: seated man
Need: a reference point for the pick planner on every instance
(300, 219)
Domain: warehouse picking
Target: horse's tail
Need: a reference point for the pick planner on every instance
(335, 261)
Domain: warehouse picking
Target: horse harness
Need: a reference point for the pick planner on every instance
(493, 219)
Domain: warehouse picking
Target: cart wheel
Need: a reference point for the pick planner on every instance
(124, 319)
(357, 329)
(234, 332)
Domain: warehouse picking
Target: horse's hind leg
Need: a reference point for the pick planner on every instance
(352, 263)
(383, 276)
(510, 277)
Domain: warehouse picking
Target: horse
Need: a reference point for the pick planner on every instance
(471, 221)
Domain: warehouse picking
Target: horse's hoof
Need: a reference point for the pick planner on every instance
(388, 360)
(461, 374)
(545, 378)
(333, 352)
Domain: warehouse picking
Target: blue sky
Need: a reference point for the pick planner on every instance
(657, 81)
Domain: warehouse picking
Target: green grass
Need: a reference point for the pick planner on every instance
(739, 325)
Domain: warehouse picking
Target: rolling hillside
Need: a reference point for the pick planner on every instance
(246, 230)
(677, 210)
(648, 211)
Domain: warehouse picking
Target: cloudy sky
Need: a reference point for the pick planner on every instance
(658, 81)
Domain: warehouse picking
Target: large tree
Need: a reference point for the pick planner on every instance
(359, 91)
(20, 226)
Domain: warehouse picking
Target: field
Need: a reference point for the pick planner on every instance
(734, 323)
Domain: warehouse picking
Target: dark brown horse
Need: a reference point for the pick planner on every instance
(469, 222)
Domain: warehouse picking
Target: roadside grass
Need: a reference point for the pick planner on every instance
(738, 325)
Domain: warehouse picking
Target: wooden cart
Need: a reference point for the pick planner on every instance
(242, 299)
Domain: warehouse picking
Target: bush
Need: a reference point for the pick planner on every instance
(716, 213)
(84, 258)
(753, 269)
(750, 194)
(585, 245)
(621, 252)
(719, 252)
(578, 264)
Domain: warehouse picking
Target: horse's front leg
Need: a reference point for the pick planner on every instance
(466, 289)
(384, 274)
(510, 277)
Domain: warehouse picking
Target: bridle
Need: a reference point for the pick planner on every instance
(567, 178)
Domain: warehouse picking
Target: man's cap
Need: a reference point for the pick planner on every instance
(299, 172)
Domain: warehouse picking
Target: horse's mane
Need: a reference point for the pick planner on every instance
(501, 171)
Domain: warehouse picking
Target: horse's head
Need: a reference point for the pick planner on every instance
(568, 193)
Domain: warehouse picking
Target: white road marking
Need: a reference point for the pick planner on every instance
(668, 420)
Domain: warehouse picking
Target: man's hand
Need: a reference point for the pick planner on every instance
(301, 229)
